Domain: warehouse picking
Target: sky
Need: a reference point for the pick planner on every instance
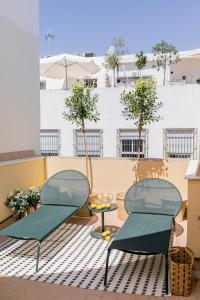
(91, 25)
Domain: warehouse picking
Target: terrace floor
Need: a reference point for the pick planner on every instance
(14, 289)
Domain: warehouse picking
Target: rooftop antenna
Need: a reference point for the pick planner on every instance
(49, 37)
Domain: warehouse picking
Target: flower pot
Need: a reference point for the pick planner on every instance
(30, 210)
(22, 214)
(121, 212)
(84, 211)
(182, 212)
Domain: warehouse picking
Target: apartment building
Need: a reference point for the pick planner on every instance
(176, 135)
(186, 71)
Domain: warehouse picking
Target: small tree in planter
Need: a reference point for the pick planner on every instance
(111, 63)
(141, 105)
(113, 55)
(141, 61)
(82, 106)
(165, 55)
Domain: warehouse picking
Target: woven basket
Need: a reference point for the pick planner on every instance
(181, 261)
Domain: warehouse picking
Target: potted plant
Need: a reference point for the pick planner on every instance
(141, 61)
(81, 105)
(141, 106)
(17, 202)
(33, 197)
(165, 55)
(113, 57)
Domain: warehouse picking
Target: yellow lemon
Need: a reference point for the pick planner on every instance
(107, 238)
(108, 232)
(108, 205)
(93, 205)
(104, 234)
(103, 205)
(99, 206)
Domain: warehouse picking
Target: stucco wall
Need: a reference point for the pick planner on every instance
(19, 84)
(181, 110)
(189, 67)
(20, 174)
(193, 226)
(117, 174)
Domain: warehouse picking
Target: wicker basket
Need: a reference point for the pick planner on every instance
(181, 261)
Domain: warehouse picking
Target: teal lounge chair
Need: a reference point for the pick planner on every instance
(152, 205)
(62, 195)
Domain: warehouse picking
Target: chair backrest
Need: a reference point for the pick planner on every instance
(154, 196)
(66, 188)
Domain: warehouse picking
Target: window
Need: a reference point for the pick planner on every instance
(50, 142)
(90, 82)
(43, 85)
(180, 143)
(128, 143)
(94, 143)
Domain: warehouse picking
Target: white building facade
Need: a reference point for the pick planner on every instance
(186, 71)
(19, 84)
(175, 135)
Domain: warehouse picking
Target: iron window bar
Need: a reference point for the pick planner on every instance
(180, 143)
(50, 142)
(94, 138)
(128, 143)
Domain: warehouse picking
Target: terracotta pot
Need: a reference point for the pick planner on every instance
(30, 210)
(22, 214)
(182, 212)
(84, 211)
(121, 212)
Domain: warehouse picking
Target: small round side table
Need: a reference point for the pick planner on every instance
(97, 233)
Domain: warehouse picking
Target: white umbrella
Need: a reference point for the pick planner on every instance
(66, 66)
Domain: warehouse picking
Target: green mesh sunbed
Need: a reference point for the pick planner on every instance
(152, 205)
(62, 195)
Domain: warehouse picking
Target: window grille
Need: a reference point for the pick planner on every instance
(43, 85)
(180, 143)
(50, 142)
(128, 143)
(94, 143)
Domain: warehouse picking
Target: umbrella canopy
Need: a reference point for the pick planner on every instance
(66, 66)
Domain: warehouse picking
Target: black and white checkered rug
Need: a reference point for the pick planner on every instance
(70, 256)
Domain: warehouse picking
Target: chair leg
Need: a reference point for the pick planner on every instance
(106, 270)
(38, 257)
(166, 274)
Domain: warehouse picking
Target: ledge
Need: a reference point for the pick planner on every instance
(20, 160)
(192, 169)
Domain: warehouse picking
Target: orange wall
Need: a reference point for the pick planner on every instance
(118, 174)
(193, 224)
(19, 174)
(109, 174)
